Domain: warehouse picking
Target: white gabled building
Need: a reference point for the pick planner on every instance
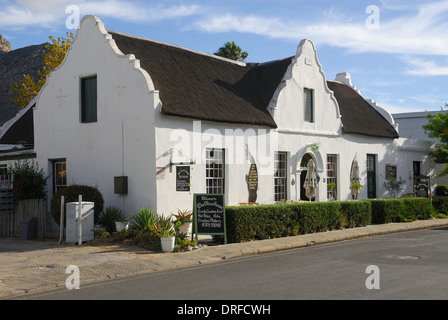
(176, 122)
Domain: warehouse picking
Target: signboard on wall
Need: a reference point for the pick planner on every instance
(252, 183)
(183, 178)
(391, 172)
(209, 215)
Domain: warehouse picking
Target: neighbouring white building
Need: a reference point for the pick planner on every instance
(166, 122)
(411, 127)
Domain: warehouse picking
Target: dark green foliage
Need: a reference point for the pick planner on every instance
(355, 214)
(109, 216)
(318, 216)
(29, 180)
(71, 194)
(441, 191)
(400, 210)
(248, 223)
(143, 220)
(440, 204)
(148, 240)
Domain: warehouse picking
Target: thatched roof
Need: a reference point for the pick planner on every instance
(199, 86)
(203, 87)
(358, 116)
(21, 131)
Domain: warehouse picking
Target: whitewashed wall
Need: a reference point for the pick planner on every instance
(122, 141)
(132, 138)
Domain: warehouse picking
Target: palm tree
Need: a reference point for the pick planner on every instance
(231, 51)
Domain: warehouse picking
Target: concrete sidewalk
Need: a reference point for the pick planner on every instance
(32, 266)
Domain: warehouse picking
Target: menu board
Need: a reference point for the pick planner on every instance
(209, 214)
(183, 178)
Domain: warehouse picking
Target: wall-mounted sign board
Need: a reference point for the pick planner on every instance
(391, 172)
(183, 178)
(209, 215)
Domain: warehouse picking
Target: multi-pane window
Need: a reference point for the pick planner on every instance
(88, 100)
(280, 163)
(215, 163)
(60, 175)
(332, 168)
(308, 104)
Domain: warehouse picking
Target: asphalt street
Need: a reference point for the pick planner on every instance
(406, 266)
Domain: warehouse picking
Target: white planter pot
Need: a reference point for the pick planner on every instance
(122, 226)
(186, 228)
(168, 244)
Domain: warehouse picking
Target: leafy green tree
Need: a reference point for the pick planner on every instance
(27, 88)
(231, 51)
(437, 127)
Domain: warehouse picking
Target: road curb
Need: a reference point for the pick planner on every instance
(11, 285)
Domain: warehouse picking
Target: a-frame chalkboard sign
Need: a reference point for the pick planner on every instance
(209, 214)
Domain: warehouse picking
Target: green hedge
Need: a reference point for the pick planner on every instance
(400, 210)
(248, 223)
(355, 214)
(440, 204)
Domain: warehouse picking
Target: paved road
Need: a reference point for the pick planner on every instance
(412, 265)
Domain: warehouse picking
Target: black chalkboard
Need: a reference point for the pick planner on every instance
(183, 178)
(209, 214)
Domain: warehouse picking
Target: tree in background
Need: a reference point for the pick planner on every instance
(437, 127)
(29, 87)
(231, 51)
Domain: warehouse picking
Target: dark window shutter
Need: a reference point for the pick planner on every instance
(88, 100)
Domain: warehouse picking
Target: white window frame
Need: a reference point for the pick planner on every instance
(215, 171)
(308, 105)
(332, 175)
(56, 185)
(280, 176)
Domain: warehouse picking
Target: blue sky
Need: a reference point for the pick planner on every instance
(396, 51)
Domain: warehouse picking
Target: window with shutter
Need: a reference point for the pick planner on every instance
(88, 100)
(308, 105)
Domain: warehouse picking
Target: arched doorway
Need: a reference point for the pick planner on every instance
(303, 169)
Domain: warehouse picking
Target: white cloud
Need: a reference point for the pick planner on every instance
(20, 14)
(17, 18)
(134, 12)
(424, 32)
(423, 67)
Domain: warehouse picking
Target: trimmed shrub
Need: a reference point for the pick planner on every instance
(248, 223)
(355, 214)
(319, 216)
(440, 204)
(71, 194)
(399, 210)
(441, 191)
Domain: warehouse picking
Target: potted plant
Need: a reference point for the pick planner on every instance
(186, 221)
(331, 188)
(113, 217)
(355, 187)
(164, 228)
